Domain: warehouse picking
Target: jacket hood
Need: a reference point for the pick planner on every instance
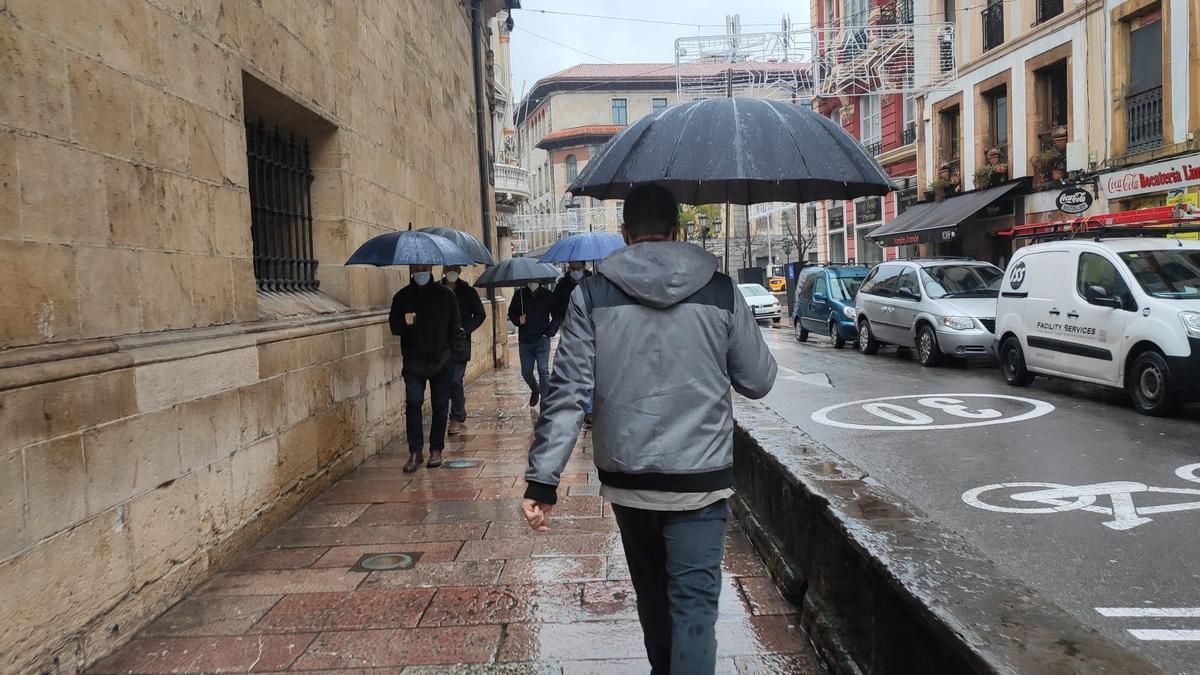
(659, 273)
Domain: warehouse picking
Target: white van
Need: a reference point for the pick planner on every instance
(1123, 312)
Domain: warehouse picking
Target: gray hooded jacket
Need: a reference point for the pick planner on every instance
(660, 336)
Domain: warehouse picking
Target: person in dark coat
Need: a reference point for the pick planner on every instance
(532, 312)
(425, 317)
(576, 272)
(470, 312)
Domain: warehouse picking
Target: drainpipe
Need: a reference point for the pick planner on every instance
(477, 23)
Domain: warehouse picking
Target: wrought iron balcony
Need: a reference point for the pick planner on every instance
(512, 184)
(1144, 120)
(910, 134)
(898, 12)
(1048, 9)
(874, 148)
(993, 25)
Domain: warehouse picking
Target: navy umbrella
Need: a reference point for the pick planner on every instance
(409, 248)
(469, 244)
(738, 150)
(585, 247)
(516, 272)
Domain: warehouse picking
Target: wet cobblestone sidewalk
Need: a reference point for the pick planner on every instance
(485, 594)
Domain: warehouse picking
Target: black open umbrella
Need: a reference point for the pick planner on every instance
(469, 244)
(738, 150)
(409, 248)
(516, 272)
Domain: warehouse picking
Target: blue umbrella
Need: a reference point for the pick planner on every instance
(586, 247)
(470, 245)
(409, 248)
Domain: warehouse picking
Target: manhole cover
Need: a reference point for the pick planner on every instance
(379, 562)
(461, 463)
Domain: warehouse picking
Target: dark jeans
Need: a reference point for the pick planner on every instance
(536, 353)
(458, 394)
(675, 562)
(414, 396)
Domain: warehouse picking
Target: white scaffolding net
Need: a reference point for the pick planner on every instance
(796, 65)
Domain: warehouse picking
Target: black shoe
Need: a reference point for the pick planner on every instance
(415, 460)
(534, 398)
(587, 419)
(435, 459)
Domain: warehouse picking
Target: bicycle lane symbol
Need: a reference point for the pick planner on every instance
(1059, 498)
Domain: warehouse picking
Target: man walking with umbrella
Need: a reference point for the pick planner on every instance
(659, 336)
(531, 311)
(426, 318)
(470, 310)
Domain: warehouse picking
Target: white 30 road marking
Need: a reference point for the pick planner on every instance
(1058, 498)
(919, 417)
(1157, 634)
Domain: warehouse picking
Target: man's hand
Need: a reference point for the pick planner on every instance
(410, 318)
(522, 320)
(537, 513)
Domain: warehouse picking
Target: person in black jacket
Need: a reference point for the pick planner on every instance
(576, 272)
(470, 311)
(531, 311)
(425, 316)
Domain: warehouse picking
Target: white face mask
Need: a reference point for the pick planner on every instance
(452, 277)
(422, 278)
(576, 274)
(533, 286)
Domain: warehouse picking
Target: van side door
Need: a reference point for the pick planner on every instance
(1044, 281)
(804, 291)
(818, 309)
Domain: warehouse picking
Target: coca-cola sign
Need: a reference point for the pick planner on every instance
(1074, 200)
(1158, 177)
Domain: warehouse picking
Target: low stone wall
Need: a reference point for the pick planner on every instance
(131, 467)
(884, 588)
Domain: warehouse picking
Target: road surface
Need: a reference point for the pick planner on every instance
(1067, 488)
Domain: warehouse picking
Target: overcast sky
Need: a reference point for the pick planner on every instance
(626, 41)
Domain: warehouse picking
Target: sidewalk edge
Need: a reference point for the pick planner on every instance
(883, 587)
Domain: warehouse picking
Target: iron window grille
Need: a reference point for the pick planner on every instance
(280, 210)
(1144, 120)
(909, 135)
(1048, 9)
(993, 25)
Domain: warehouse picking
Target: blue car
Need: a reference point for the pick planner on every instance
(824, 302)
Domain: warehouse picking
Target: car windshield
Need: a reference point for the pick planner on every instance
(962, 281)
(751, 290)
(1172, 273)
(845, 288)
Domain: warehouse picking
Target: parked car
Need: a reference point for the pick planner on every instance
(1118, 312)
(942, 306)
(762, 302)
(824, 302)
(777, 284)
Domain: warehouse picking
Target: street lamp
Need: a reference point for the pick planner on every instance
(703, 221)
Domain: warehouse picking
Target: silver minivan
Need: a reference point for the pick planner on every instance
(941, 306)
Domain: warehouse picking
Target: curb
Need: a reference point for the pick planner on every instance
(884, 588)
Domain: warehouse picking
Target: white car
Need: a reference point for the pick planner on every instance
(1122, 312)
(764, 305)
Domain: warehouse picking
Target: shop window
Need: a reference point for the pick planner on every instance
(837, 247)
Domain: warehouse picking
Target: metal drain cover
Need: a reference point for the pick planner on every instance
(461, 463)
(380, 562)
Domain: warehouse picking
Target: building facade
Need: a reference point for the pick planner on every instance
(184, 356)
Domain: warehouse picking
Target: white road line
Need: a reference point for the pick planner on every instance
(1166, 635)
(1163, 612)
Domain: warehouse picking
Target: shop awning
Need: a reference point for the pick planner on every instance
(937, 221)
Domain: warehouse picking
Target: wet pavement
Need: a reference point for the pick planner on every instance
(481, 592)
(1065, 487)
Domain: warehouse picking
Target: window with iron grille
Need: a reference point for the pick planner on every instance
(280, 209)
(1144, 104)
(1048, 9)
(993, 25)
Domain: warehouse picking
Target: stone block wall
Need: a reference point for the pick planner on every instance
(157, 412)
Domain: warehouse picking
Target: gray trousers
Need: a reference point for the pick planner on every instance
(675, 563)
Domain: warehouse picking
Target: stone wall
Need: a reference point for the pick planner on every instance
(157, 411)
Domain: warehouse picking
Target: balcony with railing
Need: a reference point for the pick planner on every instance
(1144, 120)
(512, 185)
(1048, 9)
(899, 12)
(873, 147)
(909, 135)
(993, 25)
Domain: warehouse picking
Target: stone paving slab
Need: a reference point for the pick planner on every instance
(485, 594)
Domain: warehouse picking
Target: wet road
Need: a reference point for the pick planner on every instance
(1092, 504)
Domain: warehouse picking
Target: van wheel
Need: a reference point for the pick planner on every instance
(1150, 385)
(929, 354)
(867, 344)
(1012, 363)
(801, 331)
(835, 336)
